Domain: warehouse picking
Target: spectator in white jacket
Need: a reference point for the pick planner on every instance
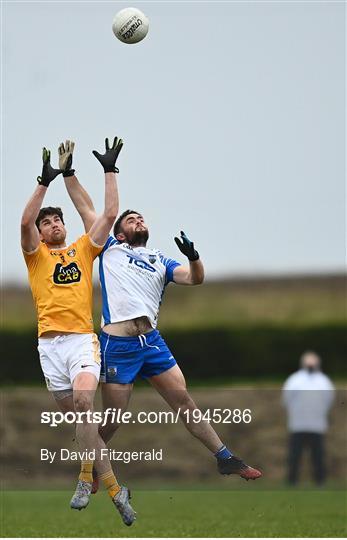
(308, 395)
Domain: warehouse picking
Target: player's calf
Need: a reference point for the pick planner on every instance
(95, 484)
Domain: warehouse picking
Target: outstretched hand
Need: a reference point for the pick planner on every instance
(186, 246)
(48, 173)
(65, 158)
(109, 158)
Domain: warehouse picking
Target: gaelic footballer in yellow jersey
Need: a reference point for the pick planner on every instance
(60, 277)
(61, 284)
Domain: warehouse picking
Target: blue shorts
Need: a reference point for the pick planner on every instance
(124, 358)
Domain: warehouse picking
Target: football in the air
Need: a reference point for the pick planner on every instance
(130, 25)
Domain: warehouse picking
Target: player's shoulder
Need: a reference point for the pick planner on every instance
(168, 262)
(111, 242)
(40, 250)
(81, 241)
(156, 251)
(159, 256)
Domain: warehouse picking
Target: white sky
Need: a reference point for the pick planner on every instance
(233, 117)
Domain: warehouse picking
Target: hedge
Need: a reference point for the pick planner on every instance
(216, 353)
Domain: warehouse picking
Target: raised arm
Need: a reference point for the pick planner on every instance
(102, 226)
(30, 238)
(194, 273)
(81, 200)
(78, 195)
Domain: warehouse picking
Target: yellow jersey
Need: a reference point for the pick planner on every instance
(62, 287)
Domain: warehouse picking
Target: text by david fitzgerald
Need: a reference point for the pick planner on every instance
(113, 455)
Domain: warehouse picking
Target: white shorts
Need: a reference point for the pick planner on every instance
(67, 355)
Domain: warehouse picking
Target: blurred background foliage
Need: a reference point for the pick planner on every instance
(222, 331)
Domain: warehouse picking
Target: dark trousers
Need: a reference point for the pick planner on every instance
(297, 443)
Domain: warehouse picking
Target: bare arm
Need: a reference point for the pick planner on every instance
(30, 238)
(78, 195)
(189, 275)
(81, 200)
(102, 226)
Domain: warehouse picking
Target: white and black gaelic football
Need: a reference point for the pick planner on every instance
(130, 25)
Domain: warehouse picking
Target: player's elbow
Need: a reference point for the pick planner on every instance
(111, 208)
(25, 223)
(110, 214)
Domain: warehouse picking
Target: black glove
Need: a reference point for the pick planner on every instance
(48, 173)
(187, 247)
(65, 158)
(109, 158)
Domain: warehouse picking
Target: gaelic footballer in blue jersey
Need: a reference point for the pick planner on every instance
(133, 278)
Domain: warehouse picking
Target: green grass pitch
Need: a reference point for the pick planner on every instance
(173, 513)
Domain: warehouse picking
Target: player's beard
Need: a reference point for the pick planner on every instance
(137, 238)
(57, 239)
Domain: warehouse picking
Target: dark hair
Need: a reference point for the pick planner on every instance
(49, 211)
(117, 225)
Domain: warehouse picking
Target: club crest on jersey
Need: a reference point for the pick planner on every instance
(71, 252)
(152, 258)
(64, 275)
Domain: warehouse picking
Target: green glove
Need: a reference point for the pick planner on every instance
(65, 158)
(109, 158)
(48, 173)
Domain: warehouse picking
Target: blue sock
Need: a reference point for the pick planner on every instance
(223, 453)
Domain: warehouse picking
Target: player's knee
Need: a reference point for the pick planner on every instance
(185, 402)
(82, 403)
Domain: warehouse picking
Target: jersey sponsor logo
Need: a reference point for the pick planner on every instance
(64, 275)
(141, 264)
